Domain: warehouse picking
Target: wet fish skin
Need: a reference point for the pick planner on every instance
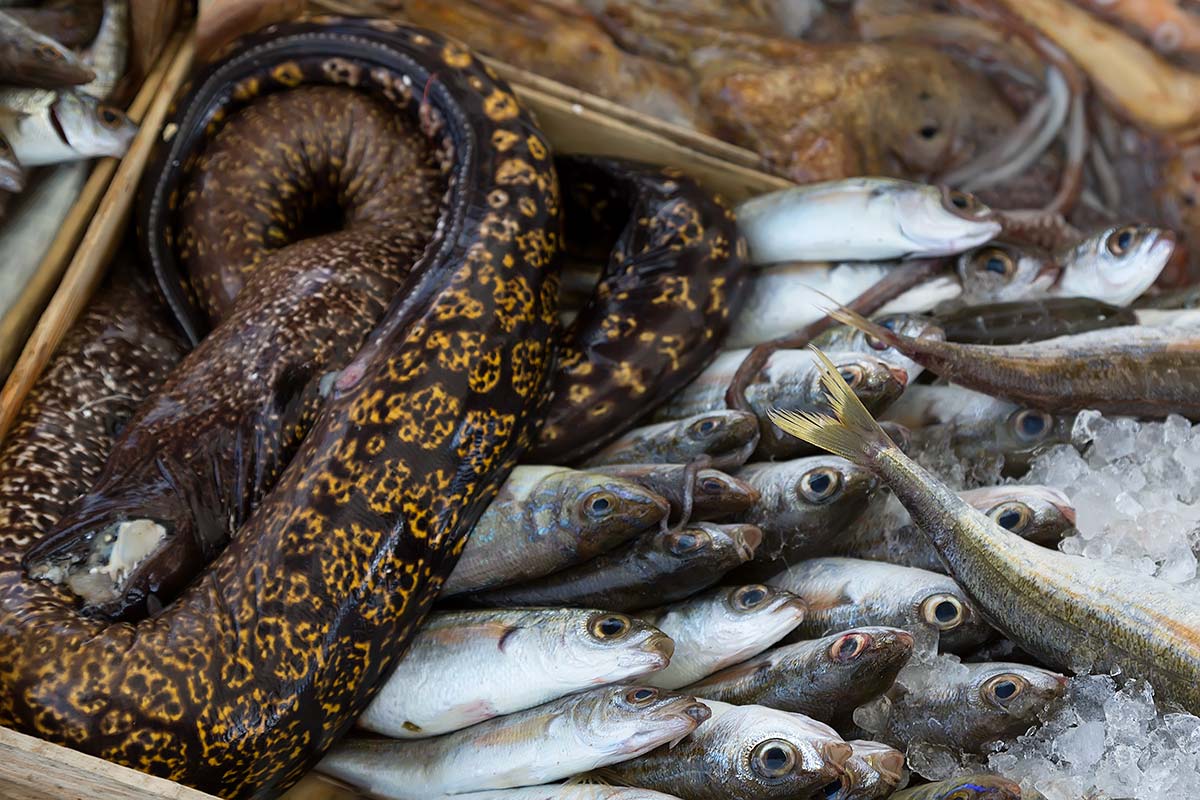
(35, 122)
(1002, 272)
(551, 742)
(548, 518)
(109, 52)
(843, 338)
(1031, 321)
(742, 753)
(961, 706)
(658, 567)
(805, 503)
(715, 494)
(966, 787)
(844, 593)
(562, 791)
(825, 678)
(862, 219)
(71, 23)
(721, 627)
(726, 437)
(1012, 433)
(872, 773)
(1116, 264)
(928, 404)
(1040, 514)
(464, 667)
(27, 58)
(12, 174)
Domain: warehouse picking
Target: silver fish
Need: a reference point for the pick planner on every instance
(965, 787)
(108, 54)
(1116, 264)
(12, 174)
(939, 404)
(726, 437)
(1067, 611)
(946, 703)
(27, 58)
(553, 741)
(721, 627)
(1000, 272)
(715, 495)
(804, 503)
(46, 127)
(464, 667)
(844, 593)
(843, 338)
(863, 219)
(547, 518)
(743, 753)
(825, 678)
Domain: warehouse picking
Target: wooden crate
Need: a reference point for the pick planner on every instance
(575, 122)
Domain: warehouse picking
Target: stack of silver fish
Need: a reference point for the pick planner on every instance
(697, 613)
(60, 62)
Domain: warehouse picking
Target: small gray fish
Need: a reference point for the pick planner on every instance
(721, 627)
(946, 703)
(843, 593)
(12, 174)
(804, 503)
(743, 753)
(1039, 514)
(551, 742)
(1009, 433)
(825, 679)
(1032, 320)
(726, 437)
(714, 494)
(843, 338)
(999, 272)
(966, 787)
(1116, 264)
(547, 518)
(46, 127)
(464, 667)
(658, 567)
(27, 58)
(872, 773)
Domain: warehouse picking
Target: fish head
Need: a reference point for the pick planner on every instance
(90, 127)
(706, 542)
(939, 221)
(755, 612)
(1038, 514)
(634, 719)
(855, 665)
(605, 510)
(847, 338)
(45, 62)
(943, 607)
(826, 492)
(1019, 691)
(629, 646)
(974, 787)
(1025, 432)
(1117, 264)
(874, 770)
(1002, 272)
(719, 493)
(721, 434)
(874, 381)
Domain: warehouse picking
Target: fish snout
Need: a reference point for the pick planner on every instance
(836, 753)
(662, 645)
(697, 712)
(890, 765)
(747, 538)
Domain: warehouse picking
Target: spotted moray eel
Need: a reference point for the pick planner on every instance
(241, 684)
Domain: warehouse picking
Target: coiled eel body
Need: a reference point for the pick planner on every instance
(241, 684)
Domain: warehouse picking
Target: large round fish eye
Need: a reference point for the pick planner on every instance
(820, 485)
(1031, 425)
(109, 117)
(688, 541)
(704, 427)
(711, 486)
(852, 374)
(1002, 688)
(1012, 516)
(747, 598)
(641, 695)
(962, 203)
(849, 647)
(47, 53)
(996, 261)
(598, 505)
(943, 611)
(1121, 240)
(608, 627)
(773, 758)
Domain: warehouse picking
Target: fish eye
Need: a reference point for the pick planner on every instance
(109, 116)
(47, 53)
(711, 485)
(852, 374)
(849, 647)
(820, 485)
(705, 426)
(1119, 241)
(1030, 425)
(687, 542)
(641, 695)
(962, 203)
(773, 758)
(1003, 688)
(1012, 516)
(607, 627)
(996, 261)
(943, 611)
(749, 597)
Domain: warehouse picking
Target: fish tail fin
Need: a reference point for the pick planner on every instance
(851, 432)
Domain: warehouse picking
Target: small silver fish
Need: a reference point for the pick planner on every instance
(726, 437)
(1117, 264)
(551, 742)
(27, 58)
(721, 627)
(1000, 272)
(108, 55)
(843, 593)
(464, 667)
(715, 495)
(863, 219)
(45, 127)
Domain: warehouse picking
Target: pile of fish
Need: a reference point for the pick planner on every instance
(60, 63)
(699, 612)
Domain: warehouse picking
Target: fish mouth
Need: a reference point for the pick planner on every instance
(747, 539)
(889, 765)
(660, 644)
(836, 754)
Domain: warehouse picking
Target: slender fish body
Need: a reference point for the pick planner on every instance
(464, 667)
(843, 593)
(1031, 321)
(108, 55)
(660, 566)
(1116, 264)
(862, 219)
(714, 493)
(966, 787)
(28, 58)
(721, 627)
(726, 437)
(551, 742)
(825, 678)
(1068, 611)
(45, 127)
(547, 518)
